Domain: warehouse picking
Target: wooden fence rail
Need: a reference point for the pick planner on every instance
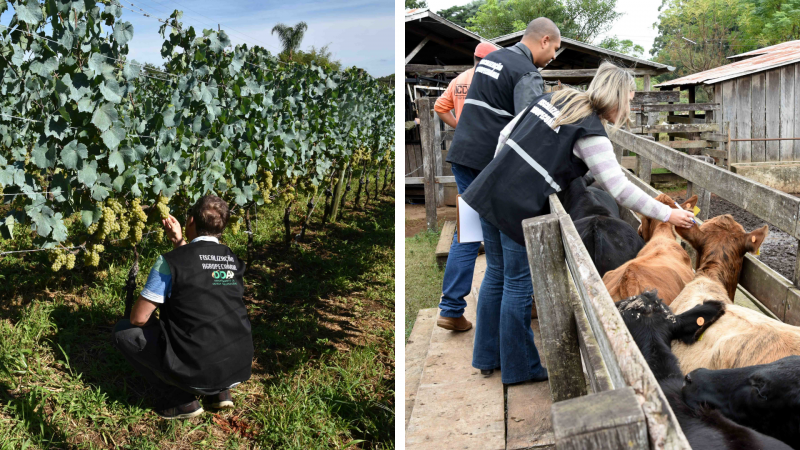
(579, 321)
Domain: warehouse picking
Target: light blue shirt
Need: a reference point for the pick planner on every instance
(159, 282)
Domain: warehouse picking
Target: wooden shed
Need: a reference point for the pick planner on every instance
(759, 95)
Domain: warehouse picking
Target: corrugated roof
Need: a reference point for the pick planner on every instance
(516, 36)
(422, 13)
(762, 59)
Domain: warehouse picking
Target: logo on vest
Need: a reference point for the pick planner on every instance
(489, 68)
(222, 267)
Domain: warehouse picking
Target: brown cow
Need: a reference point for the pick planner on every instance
(741, 337)
(662, 264)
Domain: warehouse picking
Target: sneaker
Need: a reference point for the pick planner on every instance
(454, 323)
(223, 400)
(185, 411)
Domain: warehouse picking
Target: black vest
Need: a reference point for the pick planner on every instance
(207, 339)
(488, 108)
(535, 162)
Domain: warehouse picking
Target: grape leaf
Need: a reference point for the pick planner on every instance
(113, 136)
(72, 153)
(116, 159)
(111, 91)
(104, 116)
(29, 12)
(123, 32)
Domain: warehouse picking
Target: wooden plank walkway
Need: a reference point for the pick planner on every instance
(416, 351)
(455, 407)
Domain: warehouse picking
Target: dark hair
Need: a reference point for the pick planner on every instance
(477, 60)
(210, 215)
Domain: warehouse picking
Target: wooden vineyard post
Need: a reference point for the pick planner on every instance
(610, 419)
(427, 137)
(560, 346)
(338, 190)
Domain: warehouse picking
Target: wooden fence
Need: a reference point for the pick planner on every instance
(623, 406)
(431, 138)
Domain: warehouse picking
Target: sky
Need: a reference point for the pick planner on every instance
(360, 32)
(636, 24)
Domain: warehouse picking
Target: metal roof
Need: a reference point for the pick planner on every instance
(757, 61)
(630, 61)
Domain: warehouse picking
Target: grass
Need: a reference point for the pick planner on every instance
(423, 275)
(322, 314)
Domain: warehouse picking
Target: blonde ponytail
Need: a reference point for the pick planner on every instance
(609, 91)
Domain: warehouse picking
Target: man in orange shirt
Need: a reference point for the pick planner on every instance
(453, 98)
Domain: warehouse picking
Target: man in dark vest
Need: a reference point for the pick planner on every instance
(504, 84)
(201, 344)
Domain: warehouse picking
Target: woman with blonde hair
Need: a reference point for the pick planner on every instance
(559, 137)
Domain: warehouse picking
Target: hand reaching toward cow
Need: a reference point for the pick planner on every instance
(681, 218)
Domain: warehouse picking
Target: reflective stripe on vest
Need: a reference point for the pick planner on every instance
(483, 104)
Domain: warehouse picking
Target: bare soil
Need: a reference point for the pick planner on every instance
(415, 217)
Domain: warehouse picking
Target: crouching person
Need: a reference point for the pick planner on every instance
(201, 344)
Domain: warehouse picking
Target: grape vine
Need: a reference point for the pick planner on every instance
(94, 150)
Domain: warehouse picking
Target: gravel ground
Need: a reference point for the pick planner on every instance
(779, 250)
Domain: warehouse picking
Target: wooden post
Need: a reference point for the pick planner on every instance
(796, 277)
(560, 346)
(427, 136)
(644, 167)
(610, 419)
(437, 156)
(338, 191)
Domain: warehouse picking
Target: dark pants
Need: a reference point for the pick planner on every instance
(140, 347)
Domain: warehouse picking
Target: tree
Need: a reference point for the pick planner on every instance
(772, 21)
(625, 46)
(290, 37)
(319, 56)
(581, 20)
(698, 35)
(411, 4)
(460, 15)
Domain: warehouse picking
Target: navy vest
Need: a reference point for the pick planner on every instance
(207, 338)
(488, 108)
(535, 162)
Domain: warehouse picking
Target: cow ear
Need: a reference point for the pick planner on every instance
(690, 326)
(761, 384)
(755, 238)
(694, 235)
(689, 205)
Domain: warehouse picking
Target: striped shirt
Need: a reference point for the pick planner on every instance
(598, 154)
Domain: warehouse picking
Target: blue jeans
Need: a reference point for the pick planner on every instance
(457, 281)
(503, 335)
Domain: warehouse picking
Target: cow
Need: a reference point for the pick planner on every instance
(743, 337)
(662, 264)
(653, 326)
(610, 241)
(765, 397)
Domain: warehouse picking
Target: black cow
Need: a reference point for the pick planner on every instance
(610, 241)
(653, 327)
(765, 397)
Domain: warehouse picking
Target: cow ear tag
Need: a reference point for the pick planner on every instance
(700, 321)
(696, 210)
(758, 250)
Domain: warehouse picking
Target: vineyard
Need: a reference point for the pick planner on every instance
(95, 149)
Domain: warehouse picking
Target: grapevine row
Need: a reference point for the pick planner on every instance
(101, 149)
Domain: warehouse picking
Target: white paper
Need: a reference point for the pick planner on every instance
(469, 223)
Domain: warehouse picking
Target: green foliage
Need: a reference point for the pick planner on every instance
(290, 37)
(773, 21)
(410, 4)
(581, 20)
(625, 46)
(715, 27)
(319, 56)
(214, 119)
(460, 14)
